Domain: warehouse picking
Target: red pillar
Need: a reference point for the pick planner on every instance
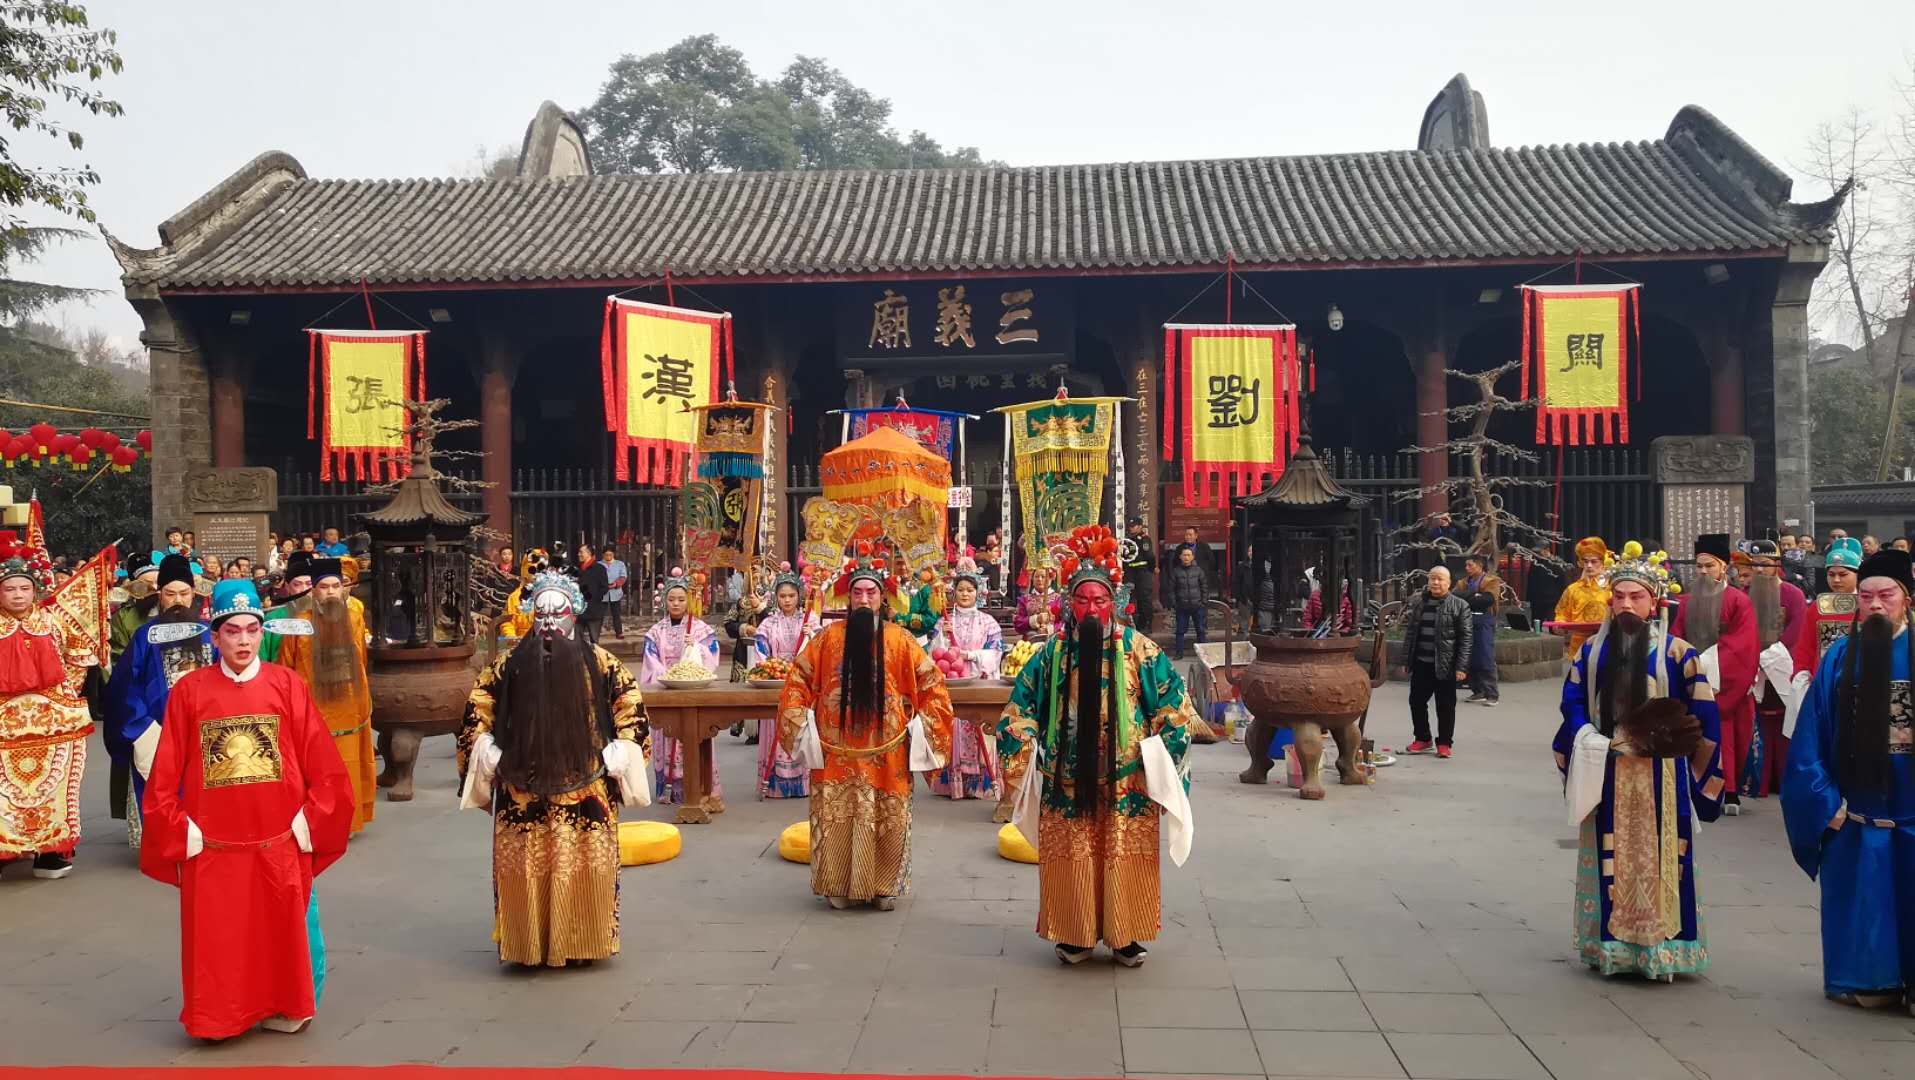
(1432, 429)
(498, 369)
(228, 413)
(1725, 390)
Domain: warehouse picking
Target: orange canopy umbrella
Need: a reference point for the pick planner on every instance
(884, 468)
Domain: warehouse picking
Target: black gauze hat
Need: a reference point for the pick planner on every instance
(175, 568)
(1891, 563)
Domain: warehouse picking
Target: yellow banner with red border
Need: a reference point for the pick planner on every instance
(658, 363)
(1576, 338)
(1234, 394)
(357, 384)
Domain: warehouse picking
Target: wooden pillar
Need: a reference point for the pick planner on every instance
(774, 388)
(1143, 371)
(1726, 386)
(1432, 429)
(498, 370)
(228, 410)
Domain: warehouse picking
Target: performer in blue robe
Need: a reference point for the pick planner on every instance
(157, 655)
(1639, 726)
(1848, 796)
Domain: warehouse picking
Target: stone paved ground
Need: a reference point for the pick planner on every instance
(1417, 928)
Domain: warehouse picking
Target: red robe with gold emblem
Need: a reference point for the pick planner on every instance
(1831, 617)
(241, 758)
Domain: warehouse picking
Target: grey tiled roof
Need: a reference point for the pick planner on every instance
(1383, 208)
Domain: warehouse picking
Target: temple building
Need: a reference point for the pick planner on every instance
(845, 286)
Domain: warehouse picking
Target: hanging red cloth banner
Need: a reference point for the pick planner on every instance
(1241, 394)
(357, 383)
(657, 363)
(1576, 338)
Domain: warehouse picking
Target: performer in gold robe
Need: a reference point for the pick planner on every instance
(1092, 699)
(558, 722)
(332, 663)
(864, 678)
(1586, 600)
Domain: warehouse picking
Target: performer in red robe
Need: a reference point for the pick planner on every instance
(246, 802)
(1719, 621)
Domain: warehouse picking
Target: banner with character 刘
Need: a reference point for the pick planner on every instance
(1240, 389)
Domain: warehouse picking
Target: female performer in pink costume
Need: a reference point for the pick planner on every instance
(972, 773)
(670, 640)
(781, 634)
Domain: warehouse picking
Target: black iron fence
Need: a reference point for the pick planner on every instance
(1606, 491)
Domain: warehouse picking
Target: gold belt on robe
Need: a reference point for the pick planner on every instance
(866, 751)
(213, 844)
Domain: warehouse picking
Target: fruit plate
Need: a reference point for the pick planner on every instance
(765, 684)
(685, 684)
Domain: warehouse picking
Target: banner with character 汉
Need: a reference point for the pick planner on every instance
(357, 382)
(1235, 393)
(1576, 338)
(657, 364)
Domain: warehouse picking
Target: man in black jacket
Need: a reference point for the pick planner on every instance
(593, 582)
(1140, 573)
(1437, 637)
(1187, 588)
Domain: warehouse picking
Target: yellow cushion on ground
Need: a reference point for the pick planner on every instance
(1012, 845)
(794, 844)
(641, 842)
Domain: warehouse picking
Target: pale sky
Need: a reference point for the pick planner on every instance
(404, 88)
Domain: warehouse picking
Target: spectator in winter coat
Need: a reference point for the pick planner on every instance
(1437, 637)
(1186, 586)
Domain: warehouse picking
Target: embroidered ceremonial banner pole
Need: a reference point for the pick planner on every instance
(357, 385)
(1576, 337)
(1060, 448)
(1241, 393)
(658, 363)
(723, 506)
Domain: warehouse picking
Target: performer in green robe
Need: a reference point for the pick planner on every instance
(299, 586)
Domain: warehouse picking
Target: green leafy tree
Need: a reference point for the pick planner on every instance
(1847, 414)
(47, 52)
(698, 107)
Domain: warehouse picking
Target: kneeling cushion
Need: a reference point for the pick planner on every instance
(641, 842)
(794, 844)
(1012, 845)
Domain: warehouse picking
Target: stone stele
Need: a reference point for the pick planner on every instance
(231, 511)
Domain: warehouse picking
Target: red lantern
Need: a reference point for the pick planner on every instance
(6, 438)
(63, 445)
(20, 447)
(145, 439)
(109, 442)
(123, 458)
(82, 455)
(92, 437)
(43, 433)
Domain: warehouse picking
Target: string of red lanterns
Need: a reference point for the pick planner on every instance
(43, 443)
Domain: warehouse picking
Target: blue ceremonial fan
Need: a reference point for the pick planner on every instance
(289, 627)
(168, 633)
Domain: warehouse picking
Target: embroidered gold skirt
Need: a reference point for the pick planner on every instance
(1098, 878)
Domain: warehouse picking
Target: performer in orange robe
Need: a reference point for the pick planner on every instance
(246, 803)
(865, 677)
(332, 663)
(1585, 600)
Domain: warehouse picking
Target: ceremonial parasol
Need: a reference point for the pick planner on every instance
(885, 468)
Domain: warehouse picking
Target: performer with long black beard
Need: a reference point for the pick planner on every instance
(1109, 721)
(558, 721)
(865, 683)
(174, 644)
(1638, 745)
(1848, 796)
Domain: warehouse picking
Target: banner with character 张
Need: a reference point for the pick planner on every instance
(357, 383)
(657, 364)
(1240, 389)
(1576, 337)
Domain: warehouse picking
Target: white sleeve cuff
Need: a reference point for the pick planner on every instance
(145, 748)
(302, 834)
(195, 843)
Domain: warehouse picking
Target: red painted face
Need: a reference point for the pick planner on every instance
(1093, 598)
